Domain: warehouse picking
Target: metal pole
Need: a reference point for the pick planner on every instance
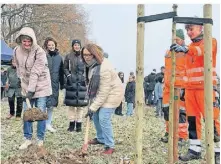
(208, 86)
(139, 85)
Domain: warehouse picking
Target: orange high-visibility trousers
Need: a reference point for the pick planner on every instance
(182, 128)
(195, 111)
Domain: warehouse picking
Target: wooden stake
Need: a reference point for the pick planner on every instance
(176, 124)
(171, 107)
(208, 86)
(139, 85)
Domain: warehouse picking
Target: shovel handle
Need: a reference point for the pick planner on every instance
(87, 131)
(28, 103)
(27, 100)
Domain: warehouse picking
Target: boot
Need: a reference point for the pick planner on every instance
(71, 126)
(78, 126)
(191, 155)
(217, 158)
(165, 138)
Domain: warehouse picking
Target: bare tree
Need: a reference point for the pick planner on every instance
(63, 22)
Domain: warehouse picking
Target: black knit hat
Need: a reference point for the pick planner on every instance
(76, 41)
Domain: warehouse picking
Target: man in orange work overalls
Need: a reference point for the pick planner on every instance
(179, 83)
(194, 90)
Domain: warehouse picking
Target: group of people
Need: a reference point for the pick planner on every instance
(149, 85)
(90, 81)
(129, 95)
(189, 83)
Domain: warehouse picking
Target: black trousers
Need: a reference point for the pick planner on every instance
(11, 101)
(118, 110)
(2, 92)
(148, 98)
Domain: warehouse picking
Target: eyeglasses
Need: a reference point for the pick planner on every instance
(87, 55)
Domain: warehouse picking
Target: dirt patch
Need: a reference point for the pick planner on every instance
(39, 155)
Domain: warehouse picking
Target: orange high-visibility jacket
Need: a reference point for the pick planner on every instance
(180, 69)
(195, 65)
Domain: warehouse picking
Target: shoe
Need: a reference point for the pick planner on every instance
(25, 145)
(40, 143)
(9, 116)
(217, 158)
(78, 126)
(190, 155)
(94, 142)
(165, 138)
(108, 151)
(71, 126)
(49, 128)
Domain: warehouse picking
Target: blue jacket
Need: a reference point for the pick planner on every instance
(158, 91)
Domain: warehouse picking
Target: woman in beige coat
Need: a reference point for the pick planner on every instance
(32, 69)
(105, 91)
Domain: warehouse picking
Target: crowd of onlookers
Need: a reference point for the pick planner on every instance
(88, 79)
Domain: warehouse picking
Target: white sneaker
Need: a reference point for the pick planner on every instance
(40, 143)
(49, 128)
(25, 144)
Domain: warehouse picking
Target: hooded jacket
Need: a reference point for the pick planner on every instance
(32, 66)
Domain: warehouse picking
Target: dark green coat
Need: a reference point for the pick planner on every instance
(13, 82)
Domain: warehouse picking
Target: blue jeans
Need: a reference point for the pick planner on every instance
(49, 112)
(159, 107)
(28, 130)
(103, 126)
(130, 107)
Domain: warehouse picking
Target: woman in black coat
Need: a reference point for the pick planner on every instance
(76, 90)
(130, 95)
(55, 64)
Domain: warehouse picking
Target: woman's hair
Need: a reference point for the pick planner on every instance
(121, 78)
(47, 40)
(132, 76)
(95, 50)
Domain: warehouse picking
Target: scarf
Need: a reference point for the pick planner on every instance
(94, 82)
(52, 53)
(198, 38)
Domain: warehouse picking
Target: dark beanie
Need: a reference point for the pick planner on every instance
(76, 41)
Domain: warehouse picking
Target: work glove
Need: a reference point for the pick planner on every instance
(69, 80)
(29, 95)
(89, 113)
(178, 48)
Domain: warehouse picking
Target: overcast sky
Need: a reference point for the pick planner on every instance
(114, 28)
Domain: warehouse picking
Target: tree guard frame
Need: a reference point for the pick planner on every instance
(207, 22)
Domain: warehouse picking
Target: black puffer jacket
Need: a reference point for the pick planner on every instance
(56, 68)
(75, 93)
(130, 92)
(150, 81)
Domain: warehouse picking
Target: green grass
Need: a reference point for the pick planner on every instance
(154, 151)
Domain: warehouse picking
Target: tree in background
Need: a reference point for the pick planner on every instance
(62, 22)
